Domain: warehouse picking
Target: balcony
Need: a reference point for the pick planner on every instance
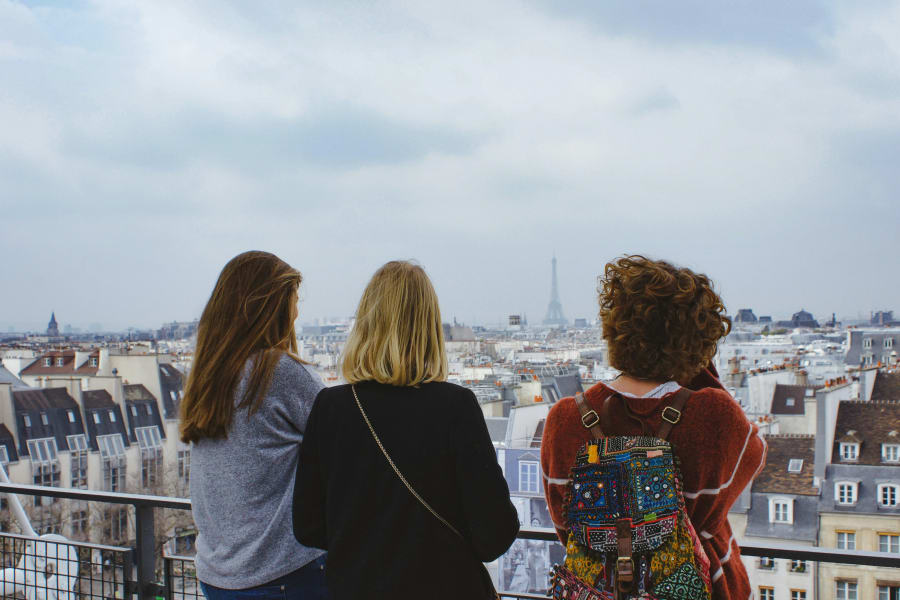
(47, 569)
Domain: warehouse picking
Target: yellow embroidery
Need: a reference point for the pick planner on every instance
(586, 564)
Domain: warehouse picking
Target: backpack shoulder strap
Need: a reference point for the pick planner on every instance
(671, 413)
(589, 417)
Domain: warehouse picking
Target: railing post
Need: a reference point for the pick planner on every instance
(146, 551)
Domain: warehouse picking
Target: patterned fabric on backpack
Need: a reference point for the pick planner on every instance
(629, 536)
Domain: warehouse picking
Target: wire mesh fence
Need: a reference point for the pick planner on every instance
(53, 568)
(181, 578)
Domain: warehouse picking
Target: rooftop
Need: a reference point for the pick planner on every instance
(776, 478)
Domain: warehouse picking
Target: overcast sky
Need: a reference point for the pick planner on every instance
(143, 144)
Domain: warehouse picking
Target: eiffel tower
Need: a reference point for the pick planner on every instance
(554, 316)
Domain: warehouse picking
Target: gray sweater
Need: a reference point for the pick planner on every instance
(242, 486)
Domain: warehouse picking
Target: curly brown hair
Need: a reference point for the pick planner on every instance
(661, 322)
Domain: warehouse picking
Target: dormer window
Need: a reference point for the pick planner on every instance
(888, 342)
(60, 361)
(888, 495)
(849, 451)
(781, 510)
(867, 343)
(48, 362)
(845, 493)
(890, 453)
(795, 465)
(93, 362)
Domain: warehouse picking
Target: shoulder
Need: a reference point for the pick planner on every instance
(716, 403)
(291, 372)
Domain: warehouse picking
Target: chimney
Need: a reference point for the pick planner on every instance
(103, 366)
(7, 410)
(801, 377)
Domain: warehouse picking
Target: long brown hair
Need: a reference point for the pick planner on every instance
(250, 314)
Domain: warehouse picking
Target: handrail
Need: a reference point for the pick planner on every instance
(144, 505)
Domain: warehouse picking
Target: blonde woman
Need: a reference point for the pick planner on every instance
(382, 540)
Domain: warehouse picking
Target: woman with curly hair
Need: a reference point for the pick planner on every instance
(662, 325)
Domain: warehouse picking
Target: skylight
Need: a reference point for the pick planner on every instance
(795, 465)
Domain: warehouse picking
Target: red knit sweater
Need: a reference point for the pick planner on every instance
(720, 452)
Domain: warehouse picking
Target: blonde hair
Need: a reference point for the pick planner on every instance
(398, 338)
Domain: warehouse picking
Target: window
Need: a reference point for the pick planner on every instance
(528, 476)
(845, 590)
(184, 471)
(48, 362)
(888, 592)
(849, 451)
(889, 542)
(151, 455)
(44, 469)
(890, 452)
(148, 409)
(766, 563)
(887, 495)
(112, 455)
(845, 493)
(96, 417)
(71, 414)
(798, 594)
(112, 416)
(78, 455)
(781, 510)
(115, 525)
(4, 456)
(79, 523)
(888, 342)
(60, 361)
(867, 343)
(789, 402)
(27, 420)
(133, 410)
(798, 566)
(44, 420)
(795, 465)
(93, 362)
(846, 540)
(766, 593)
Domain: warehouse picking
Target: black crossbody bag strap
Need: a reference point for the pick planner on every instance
(486, 576)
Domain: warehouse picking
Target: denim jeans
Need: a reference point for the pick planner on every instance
(306, 583)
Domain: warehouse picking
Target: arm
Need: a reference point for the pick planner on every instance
(308, 510)
(299, 388)
(491, 520)
(736, 453)
(554, 479)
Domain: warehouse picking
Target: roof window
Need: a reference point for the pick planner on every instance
(26, 420)
(789, 402)
(795, 465)
(60, 361)
(849, 451)
(845, 493)
(111, 445)
(888, 495)
(890, 453)
(48, 362)
(148, 437)
(71, 414)
(112, 416)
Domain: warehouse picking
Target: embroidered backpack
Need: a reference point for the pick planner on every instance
(629, 536)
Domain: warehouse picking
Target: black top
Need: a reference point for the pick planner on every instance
(381, 542)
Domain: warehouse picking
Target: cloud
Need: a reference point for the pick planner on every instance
(144, 144)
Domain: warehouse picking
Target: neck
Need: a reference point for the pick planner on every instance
(634, 385)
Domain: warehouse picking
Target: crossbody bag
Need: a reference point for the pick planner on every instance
(485, 575)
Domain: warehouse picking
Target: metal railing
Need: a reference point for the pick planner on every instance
(100, 571)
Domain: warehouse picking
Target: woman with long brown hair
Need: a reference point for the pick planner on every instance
(244, 411)
(398, 478)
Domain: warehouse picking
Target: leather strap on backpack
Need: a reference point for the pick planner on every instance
(589, 417)
(625, 562)
(671, 413)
